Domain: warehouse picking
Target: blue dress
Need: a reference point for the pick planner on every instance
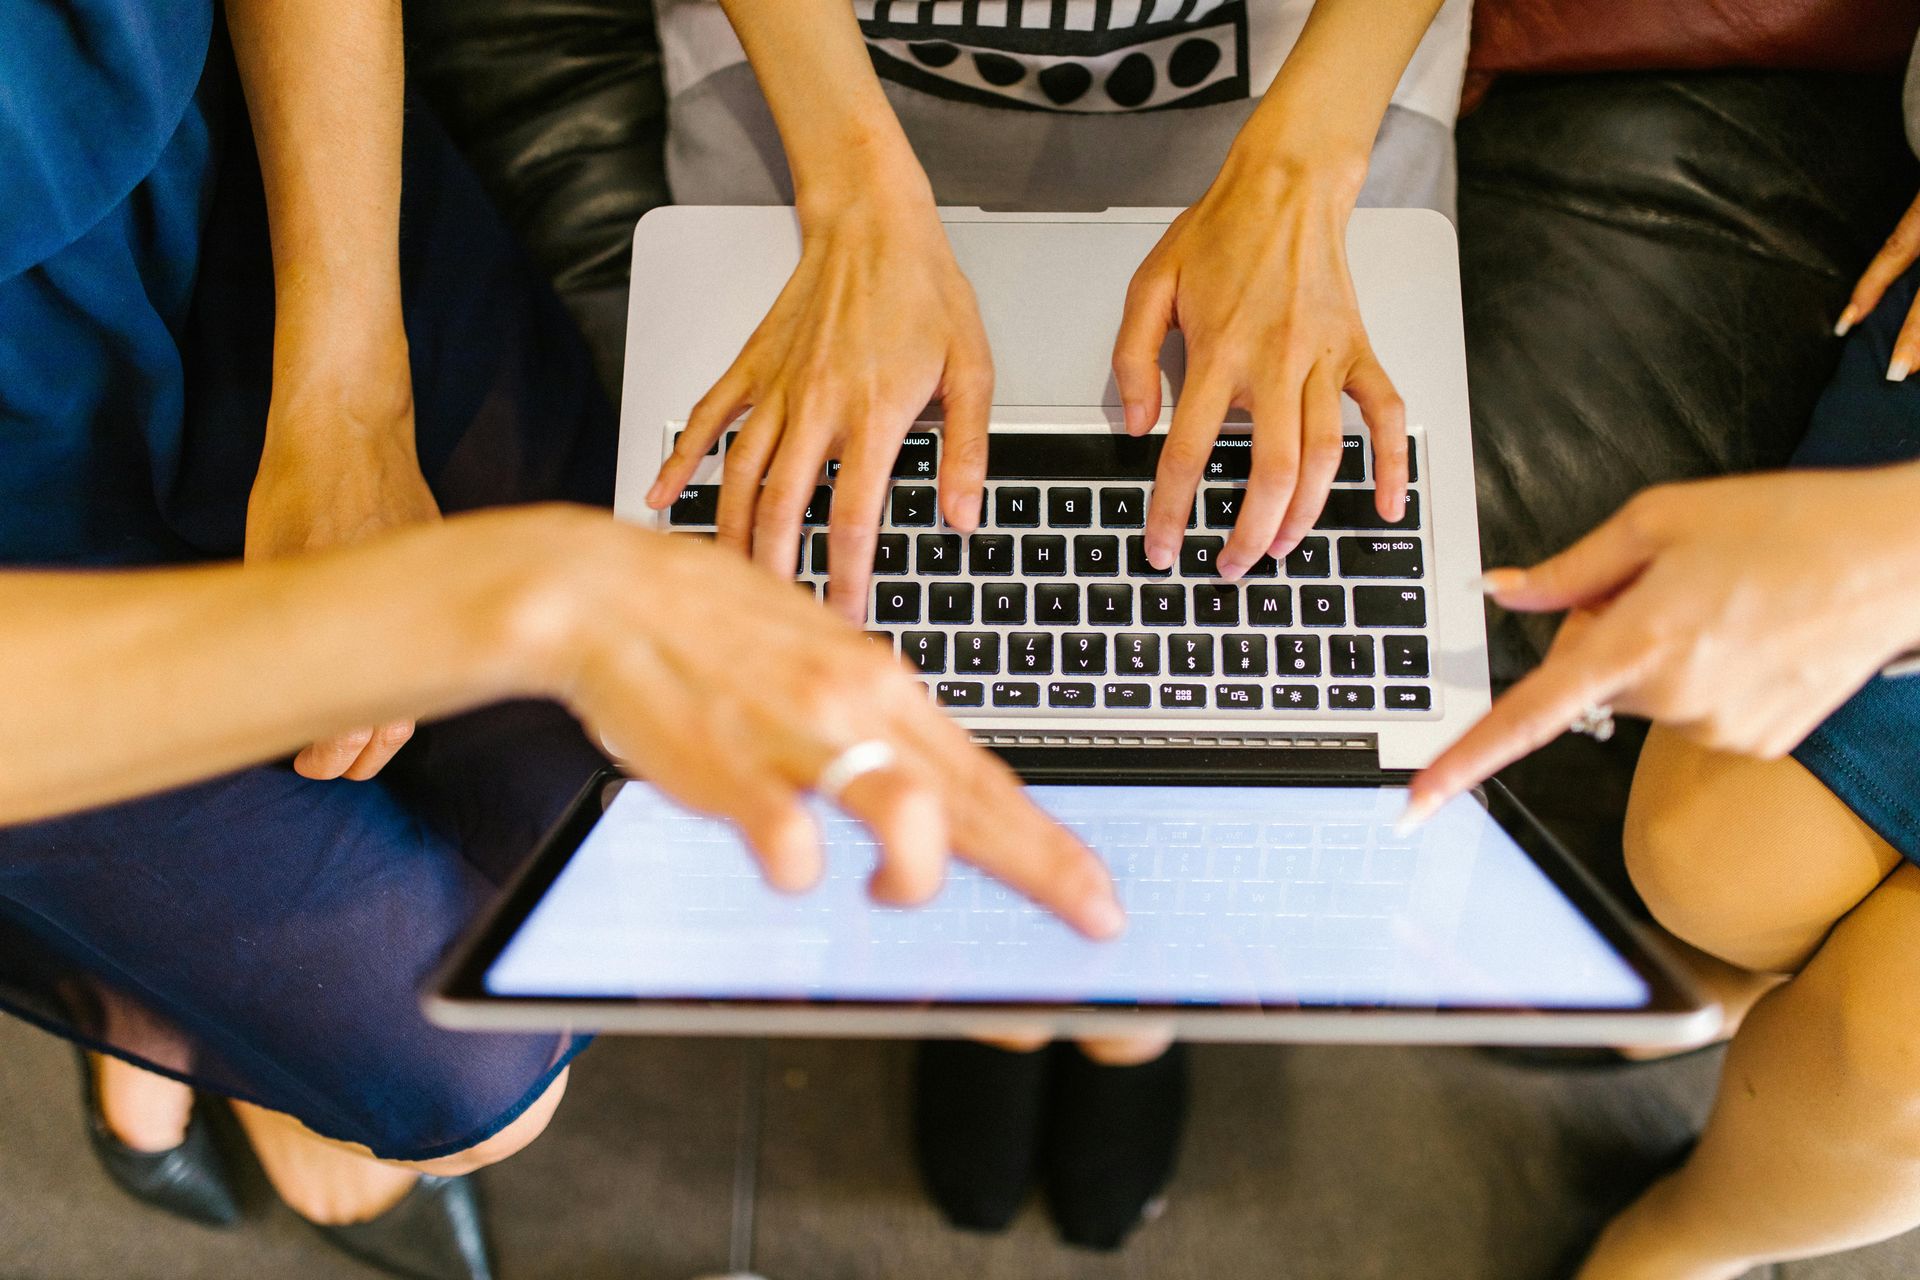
(260, 935)
(1868, 752)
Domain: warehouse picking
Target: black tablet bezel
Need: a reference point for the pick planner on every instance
(461, 978)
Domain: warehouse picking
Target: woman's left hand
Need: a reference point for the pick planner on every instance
(1739, 612)
(340, 467)
(1255, 276)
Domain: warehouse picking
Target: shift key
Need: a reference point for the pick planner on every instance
(1354, 509)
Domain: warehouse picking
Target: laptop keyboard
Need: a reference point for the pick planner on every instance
(1051, 609)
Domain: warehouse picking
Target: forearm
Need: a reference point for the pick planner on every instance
(324, 82)
(841, 137)
(120, 684)
(1325, 106)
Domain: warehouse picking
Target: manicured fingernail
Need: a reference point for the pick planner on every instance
(1136, 414)
(1159, 555)
(1418, 810)
(1105, 918)
(1899, 369)
(1230, 569)
(1496, 582)
(1844, 323)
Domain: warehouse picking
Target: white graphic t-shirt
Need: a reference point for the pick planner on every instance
(1080, 56)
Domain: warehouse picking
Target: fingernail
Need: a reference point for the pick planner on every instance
(1899, 369)
(1135, 413)
(1105, 918)
(1159, 556)
(1495, 582)
(1230, 569)
(1844, 323)
(1418, 810)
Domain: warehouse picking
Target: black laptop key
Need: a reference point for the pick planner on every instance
(1083, 653)
(1096, 555)
(1123, 508)
(1190, 655)
(976, 653)
(1057, 603)
(1069, 508)
(1406, 655)
(1270, 606)
(1232, 458)
(1136, 654)
(1183, 696)
(1354, 509)
(1353, 460)
(1015, 693)
(1264, 567)
(1381, 558)
(698, 504)
(990, 554)
(897, 602)
(913, 505)
(1310, 559)
(1077, 696)
(1003, 602)
(712, 449)
(1323, 606)
(1389, 607)
(1030, 653)
(950, 602)
(926, 650)
(1129, 695)
(919, 457)
(1296, 655)
(938, 553)
(1222, 507)
(1350, 697)
(1409, 697)
(819, 507)
(1243, 655)
(1413, 461)
(890, 553)
(1163, 604)
(1199, 557)
(819, 541)
(1138, 565)
(1016, 508)
(1238, 697)
(1296, 697)
(961, 693)
(1043, 554)
(1350, 656)
(1110, 604)
(1216, 604)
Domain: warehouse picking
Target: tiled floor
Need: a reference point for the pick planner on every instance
(1311, 1164)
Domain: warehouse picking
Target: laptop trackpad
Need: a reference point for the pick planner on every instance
(1051, 295)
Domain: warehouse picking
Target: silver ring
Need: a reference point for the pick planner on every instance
(1596, 721)
(855, 762)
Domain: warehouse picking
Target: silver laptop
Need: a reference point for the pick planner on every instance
(1236, 752)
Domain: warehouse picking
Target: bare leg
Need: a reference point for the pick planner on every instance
(145, 1111)
(1814, 1142)
(334, 1183)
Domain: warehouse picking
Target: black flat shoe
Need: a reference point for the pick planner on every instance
(977, 1115)
(436, 1232)
(189, 1181)
(1112, 1138)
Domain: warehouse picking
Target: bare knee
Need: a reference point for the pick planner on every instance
(1750, 861)
(510, 1140)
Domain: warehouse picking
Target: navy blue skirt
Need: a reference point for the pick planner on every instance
(263, 936)
(1868, 752)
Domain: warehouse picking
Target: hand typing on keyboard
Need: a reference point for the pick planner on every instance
(876, 323)
(1255, 275)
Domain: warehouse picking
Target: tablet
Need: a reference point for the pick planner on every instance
(1256, 911)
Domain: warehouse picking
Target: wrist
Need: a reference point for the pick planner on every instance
(1272, 151)
(356, 381)
(866, 171)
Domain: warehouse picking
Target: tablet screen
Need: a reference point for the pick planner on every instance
(1237, 896)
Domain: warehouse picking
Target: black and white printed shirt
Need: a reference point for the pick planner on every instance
(1081, 56)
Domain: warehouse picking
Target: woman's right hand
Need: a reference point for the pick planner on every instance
(731, 691)
(876, 323)
(1900, 251)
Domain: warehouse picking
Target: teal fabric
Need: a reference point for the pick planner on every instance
(1868, 752)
